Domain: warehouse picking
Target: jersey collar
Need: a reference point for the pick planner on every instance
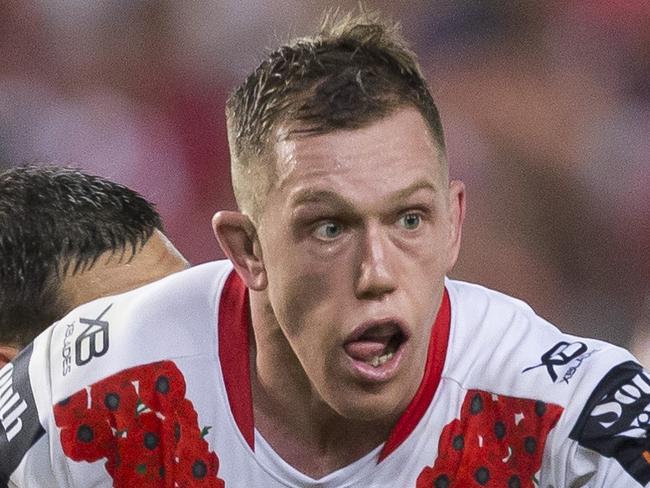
(234, 319)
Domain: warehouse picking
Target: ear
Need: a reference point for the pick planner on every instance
(238, 240)
(7, 353)
(457, 217)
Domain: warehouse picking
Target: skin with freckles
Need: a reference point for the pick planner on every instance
(360, 226)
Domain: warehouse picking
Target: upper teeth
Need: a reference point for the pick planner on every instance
(379, 360)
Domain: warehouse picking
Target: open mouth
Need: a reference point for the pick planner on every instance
(376, 343)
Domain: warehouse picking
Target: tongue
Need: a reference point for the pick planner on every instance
(366, 350)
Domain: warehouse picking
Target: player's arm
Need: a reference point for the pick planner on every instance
(612, 430)
(24, 458)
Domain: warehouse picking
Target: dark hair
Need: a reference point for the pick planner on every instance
(356, 70)
(55, 221)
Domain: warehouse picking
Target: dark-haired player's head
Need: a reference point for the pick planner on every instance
(348, 219)
(67, 238)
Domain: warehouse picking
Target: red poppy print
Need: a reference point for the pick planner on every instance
(162, 388)
(498, 441)
(116, 400)
(140, 422)
(92, 435)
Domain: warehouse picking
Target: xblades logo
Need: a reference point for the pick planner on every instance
(93, 341)
(67, 349)
(560, 354)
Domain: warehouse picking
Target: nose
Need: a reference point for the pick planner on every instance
(375, 277)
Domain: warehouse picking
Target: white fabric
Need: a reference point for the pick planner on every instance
(496, 346)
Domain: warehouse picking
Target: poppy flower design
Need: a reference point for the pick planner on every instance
(140, 422)
(497, 441)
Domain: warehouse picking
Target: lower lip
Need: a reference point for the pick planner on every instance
(380, 374)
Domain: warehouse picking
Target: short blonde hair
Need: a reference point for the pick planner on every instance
(356, 70)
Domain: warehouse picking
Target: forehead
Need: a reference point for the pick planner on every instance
(392, 153)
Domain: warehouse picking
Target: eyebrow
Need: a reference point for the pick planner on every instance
(306, 196)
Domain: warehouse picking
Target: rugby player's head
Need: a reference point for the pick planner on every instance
(67, 238)
(348, 222)
(356, 70)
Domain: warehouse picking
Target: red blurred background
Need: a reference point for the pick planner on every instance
(546, 107)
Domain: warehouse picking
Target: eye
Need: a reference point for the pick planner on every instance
(328, 231)
(410, 221)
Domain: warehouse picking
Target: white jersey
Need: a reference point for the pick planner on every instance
(152, 388)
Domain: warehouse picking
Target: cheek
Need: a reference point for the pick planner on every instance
(301, 298)
(426, 279)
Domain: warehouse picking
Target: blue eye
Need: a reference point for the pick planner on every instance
(410, 221)
(328, 231)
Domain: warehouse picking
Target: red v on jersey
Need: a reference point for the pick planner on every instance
(234, 354)
(430, 381)
(234, 357)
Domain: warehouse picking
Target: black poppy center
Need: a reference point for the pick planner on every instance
(162, 385)
(441, 481)
(199, 469)
(150, 441)
(477, 404)
(482, 476)
(85, 433)
(112, 401)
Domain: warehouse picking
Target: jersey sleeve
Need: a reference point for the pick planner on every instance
(24, 447)
(54, 421)
(601, 438)
(611, 435)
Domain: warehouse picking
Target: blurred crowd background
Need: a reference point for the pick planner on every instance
(546, 107)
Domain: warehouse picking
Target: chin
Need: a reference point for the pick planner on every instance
(369, 406)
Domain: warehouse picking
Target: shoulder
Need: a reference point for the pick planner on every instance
(171, 318)
(132, 345)
(599, 391)
(498, 343)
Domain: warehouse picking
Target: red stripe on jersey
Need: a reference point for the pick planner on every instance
(234, 354)
(430, 381)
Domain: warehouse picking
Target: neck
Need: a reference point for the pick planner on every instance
(7, 353)
(118, 272)
(290, 414)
